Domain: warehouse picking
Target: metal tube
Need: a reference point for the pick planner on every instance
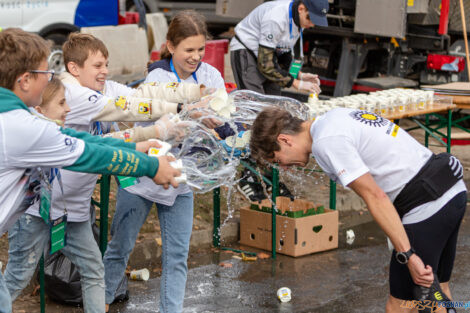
(426, 135)
(42, 286)
(104, 207)
(273, 213)
(332, 195)
(216, 229)
(449, 129)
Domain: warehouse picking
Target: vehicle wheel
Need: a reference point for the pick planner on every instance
(56, 60)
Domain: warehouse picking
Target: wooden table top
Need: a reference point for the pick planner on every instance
(434, 109)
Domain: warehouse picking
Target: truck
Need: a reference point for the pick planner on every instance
(380, 44)
(369, 44)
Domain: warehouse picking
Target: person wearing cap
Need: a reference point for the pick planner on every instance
(262, 51)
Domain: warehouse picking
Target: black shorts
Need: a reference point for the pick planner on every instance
(435, 242)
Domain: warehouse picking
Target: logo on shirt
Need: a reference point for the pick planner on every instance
(368, 118)
(121, 102)
(93, 98)
(145, 108)
(269, 37)
(71, 143)
(172, 85)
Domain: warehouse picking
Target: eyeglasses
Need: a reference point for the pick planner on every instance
(50, 73)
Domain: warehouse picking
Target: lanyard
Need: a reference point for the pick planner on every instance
(292, 36)
(193, 74)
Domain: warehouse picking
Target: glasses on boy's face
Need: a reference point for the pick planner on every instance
(50, 73)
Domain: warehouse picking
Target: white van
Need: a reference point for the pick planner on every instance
(55, 19)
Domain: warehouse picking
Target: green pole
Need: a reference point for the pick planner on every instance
(104, 206)
(273, 213)
(216, 229)
(449, 130)
(42, 286)
(332, 195)
(426, 135)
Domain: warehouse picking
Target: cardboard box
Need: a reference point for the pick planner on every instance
(314, 229)
(236, 8)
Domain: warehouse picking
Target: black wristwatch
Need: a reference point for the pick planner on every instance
(403, 257)
(179, 107)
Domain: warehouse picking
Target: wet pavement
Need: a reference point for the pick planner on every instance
(352, 278)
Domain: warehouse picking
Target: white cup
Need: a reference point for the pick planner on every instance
(284, 294)
(142, 274)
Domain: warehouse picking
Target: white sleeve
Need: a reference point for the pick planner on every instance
(84, 104)
(271, 33)
(115, 89)
(338, 157)
(215, 79)
(45, 145)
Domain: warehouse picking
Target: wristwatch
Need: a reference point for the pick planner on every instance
(179, 107)
(403, 257)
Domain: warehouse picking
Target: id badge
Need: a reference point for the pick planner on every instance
(127, 181)
(295, 67)
(58, 235)
(45, 204)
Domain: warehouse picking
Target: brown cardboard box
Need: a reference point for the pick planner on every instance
(236, 8)
(294, 236)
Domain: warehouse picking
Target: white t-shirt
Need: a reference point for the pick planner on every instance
(84, 104)
(348, 143)
(267, 25)
(40, 143)
(205, 74)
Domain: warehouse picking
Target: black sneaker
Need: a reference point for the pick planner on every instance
(250, 187)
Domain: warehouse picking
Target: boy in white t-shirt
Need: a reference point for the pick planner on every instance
(407, 189)
(28, 142)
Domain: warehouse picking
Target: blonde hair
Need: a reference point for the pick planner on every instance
(51, 90)
(20, 52)
(79, 46)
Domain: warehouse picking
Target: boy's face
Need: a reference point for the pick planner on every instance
(36, 85)
(93, 73)
(291, 152)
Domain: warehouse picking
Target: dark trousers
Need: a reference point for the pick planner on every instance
(247, 76)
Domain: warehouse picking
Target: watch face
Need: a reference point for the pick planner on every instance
(401, 258)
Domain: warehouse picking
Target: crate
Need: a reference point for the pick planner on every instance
(214, 55)
(301, 227)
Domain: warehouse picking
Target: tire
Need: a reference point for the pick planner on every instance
(56, 60)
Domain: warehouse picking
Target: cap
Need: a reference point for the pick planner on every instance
(317, 10)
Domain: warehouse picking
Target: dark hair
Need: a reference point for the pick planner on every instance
(79, 46)
(268, 125)
(183, 25)
(20, 52)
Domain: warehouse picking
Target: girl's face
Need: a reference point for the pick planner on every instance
(187, 54)
(57, 108)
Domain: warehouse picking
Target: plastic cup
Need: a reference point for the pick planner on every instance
(142, 274)
(284, 294)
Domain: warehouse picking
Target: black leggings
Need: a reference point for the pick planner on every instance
(435, 242)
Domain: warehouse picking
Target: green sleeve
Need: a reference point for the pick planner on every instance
(87, 137)
(104, 159)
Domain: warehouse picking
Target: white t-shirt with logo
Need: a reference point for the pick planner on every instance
(349, 143)
(267, 25)
(84, 104)
(146, 188)
(40, 143)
